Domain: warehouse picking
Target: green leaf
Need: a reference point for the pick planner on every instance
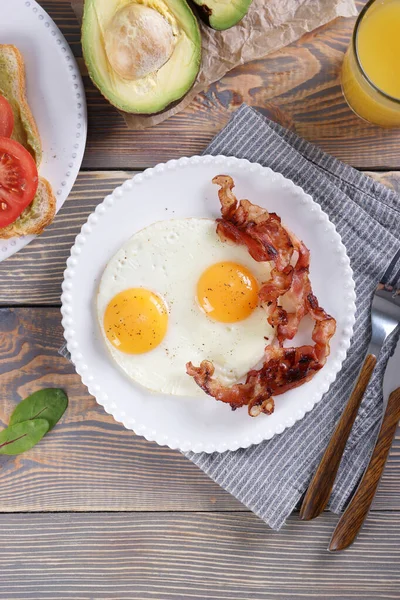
(22, 436)
(49, 404)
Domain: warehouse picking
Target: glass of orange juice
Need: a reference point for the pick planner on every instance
(371, 67)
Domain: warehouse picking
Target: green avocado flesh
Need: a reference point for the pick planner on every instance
(125, 58)
(222, 14)
(22, 131)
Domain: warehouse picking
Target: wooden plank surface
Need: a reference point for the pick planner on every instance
(90, 462)
(180, 536)
(34, 275)
(297, 86)
(161, 556)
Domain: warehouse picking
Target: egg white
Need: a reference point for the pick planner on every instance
(168, 258)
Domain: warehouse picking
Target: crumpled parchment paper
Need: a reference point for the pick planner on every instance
(268, 26)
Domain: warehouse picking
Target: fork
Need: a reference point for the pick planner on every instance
(385, 317)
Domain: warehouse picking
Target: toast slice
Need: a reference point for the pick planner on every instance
(36, 216)
(41, 211)
(12, 87)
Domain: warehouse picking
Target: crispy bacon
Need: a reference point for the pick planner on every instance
(297, 294)
(246, 223)
(270, 292)
(283, 368)
(254, 392)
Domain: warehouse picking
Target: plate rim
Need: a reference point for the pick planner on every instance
(79, 360)
(11, 246)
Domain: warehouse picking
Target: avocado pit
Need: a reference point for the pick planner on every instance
(143, 55)
(138, 41)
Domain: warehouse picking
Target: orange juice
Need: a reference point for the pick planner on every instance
(371, 67)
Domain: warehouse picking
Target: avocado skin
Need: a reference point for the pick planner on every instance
(216, 17)
(192, 31)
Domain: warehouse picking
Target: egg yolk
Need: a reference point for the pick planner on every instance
(135, 321)
(227, 292)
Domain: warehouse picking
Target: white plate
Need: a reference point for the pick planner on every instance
(181, 189)
(55, 95)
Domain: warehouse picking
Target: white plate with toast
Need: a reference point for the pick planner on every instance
(178, 190)
(56, 99)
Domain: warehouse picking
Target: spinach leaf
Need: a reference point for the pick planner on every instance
(22, 436)
(49, 404)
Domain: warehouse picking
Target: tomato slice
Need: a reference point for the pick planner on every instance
(6, 118)
(18, 180)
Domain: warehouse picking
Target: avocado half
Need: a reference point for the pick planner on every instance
(142, 55)
(222, 14)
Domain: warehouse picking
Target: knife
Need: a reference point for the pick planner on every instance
(355, 514)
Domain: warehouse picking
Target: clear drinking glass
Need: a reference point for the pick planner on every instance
(371, 68)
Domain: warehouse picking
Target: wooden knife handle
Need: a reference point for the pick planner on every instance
(352, 519)
(320, 488)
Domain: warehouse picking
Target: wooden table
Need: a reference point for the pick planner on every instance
(95, 512)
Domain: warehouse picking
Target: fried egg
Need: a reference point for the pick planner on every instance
(175, 293)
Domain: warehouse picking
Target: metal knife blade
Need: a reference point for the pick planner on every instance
(391, 379)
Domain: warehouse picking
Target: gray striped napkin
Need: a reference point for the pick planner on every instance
(270, 478)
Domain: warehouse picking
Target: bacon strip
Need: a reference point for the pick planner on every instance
(246, 223)
(269, 294)
(297, 294)
(283, 368)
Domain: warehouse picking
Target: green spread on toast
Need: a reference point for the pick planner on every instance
(23, 132)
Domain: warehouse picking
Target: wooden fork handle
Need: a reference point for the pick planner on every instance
(352, 519)
(320, 488)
